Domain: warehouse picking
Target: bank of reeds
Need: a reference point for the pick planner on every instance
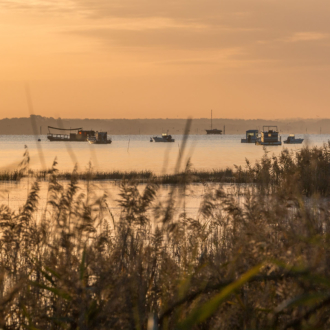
(308, 168)
(263, 263)
(224, 176)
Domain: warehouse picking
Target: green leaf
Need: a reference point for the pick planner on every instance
(200, 314)
(55, 274)
(56, 291)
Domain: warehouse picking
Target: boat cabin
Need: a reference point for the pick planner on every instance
(167, 137)
(101, 136)
(269, 134)
(72, 134)
(83, 135)
(58, 137)
(251, 136)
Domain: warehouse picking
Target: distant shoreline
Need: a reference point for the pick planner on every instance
(23, 126)
(178, 134)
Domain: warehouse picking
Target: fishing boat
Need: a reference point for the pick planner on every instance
(214, 130)
(251, 136)
(164, 138)
(99, 138)
(292, 140)
(70, 135)
(269, 137)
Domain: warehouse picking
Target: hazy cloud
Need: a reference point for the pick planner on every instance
(307, 36)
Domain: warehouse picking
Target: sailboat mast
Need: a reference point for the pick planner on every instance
(211, 119)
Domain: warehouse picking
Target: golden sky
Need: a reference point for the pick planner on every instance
(165, 59)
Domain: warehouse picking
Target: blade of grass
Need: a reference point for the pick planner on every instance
(202, 313)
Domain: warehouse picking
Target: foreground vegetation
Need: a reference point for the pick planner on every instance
(255, 259)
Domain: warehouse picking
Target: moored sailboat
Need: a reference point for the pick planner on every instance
(213, 130)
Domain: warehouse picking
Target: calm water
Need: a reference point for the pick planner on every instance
(135, 152)
(15, 194)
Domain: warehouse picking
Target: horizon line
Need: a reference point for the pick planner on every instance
(200, 118)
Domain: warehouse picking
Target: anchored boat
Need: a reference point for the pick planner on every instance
(164, 138)
(251, 136)
(74, 135)
(214, 130)
(269, 137)
(292, 140)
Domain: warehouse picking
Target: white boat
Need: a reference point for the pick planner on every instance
(164, 138)
(292, 140)
(251, 136)
(269, 137)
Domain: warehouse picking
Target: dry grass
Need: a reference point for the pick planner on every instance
(257, 259)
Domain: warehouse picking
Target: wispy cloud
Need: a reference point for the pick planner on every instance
(265, 32)
(39, 6)
(306, 36)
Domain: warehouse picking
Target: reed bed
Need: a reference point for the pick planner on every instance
(260, 264)
(308, 167)
(216, 175)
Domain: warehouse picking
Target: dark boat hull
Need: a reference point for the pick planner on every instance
(99, 142)
(213, 131)
(249, 141)
(277, 143)
(58, 139)
(297, 141)
(159, 139)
